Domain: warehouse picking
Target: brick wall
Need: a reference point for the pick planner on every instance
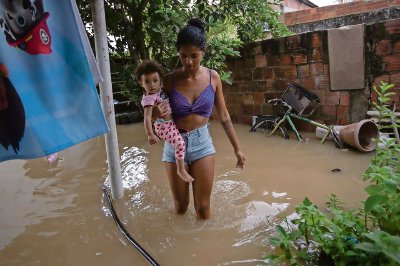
(384, 56)
(334, 11)
(265, 68)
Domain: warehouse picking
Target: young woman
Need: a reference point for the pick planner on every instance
(193, 90)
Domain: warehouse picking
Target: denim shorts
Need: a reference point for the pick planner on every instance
(198, 144)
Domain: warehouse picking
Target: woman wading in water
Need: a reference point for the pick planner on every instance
(193, 91)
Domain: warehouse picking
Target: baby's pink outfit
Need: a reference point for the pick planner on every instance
(166, 130)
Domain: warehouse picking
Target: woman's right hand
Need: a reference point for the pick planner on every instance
(162, 107)
(241, 159)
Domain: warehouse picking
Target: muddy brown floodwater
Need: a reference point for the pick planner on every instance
(57, 215)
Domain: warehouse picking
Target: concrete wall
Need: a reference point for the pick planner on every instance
(267, 66)
(294, 5)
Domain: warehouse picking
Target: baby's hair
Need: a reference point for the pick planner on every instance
(192, 34)
(148, 67)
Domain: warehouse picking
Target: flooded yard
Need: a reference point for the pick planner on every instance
(57, 215)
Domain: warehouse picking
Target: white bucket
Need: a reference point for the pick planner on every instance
(321, 132)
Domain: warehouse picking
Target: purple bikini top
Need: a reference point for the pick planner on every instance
(202, 106)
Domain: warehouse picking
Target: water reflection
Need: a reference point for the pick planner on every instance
(27, 201)
(134, 167)
(259, 213)
(278, 195)
(244, 262)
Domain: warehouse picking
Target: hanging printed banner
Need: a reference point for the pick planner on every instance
(48, 98)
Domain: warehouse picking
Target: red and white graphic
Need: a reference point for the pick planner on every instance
(24, 25)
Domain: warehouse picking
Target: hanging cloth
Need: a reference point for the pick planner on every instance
(48, 97)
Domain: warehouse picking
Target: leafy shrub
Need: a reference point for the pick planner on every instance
(363, 236)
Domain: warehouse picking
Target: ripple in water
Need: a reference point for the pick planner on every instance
(259, 213)
(133, 167)
(278, 195)
(232, 207)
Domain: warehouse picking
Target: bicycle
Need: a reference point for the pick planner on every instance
(270, 124)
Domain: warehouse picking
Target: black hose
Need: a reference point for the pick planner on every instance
(141, 250)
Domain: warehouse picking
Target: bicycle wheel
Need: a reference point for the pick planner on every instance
(267, 125)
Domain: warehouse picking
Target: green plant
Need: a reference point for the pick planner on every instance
(142, 29)
(382, 242)
(325, 237)
(362, 236)
(222, 43)
(128, 85)
(383, 202)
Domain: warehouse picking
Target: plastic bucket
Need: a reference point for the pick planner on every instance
(321, 132)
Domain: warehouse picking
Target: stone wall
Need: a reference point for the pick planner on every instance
(265, 68)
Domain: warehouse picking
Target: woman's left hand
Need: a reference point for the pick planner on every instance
(241, 159)
(162, 107)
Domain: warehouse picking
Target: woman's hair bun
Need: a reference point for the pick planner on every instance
(192, 34)
(196, 22)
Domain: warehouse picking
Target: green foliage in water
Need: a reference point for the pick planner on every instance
(362, 236)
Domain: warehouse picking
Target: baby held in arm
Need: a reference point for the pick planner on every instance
(149, 75)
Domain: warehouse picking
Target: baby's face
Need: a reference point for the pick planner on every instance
(151, 82)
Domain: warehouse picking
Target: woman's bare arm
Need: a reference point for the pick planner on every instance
(225, 119)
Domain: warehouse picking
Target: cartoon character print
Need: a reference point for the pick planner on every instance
(24, 25)
(12, 113)
(163, 95)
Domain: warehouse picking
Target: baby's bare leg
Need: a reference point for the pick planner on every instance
(170, 133)
(181, 171)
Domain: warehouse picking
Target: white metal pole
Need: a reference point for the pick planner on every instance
(103, 61)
